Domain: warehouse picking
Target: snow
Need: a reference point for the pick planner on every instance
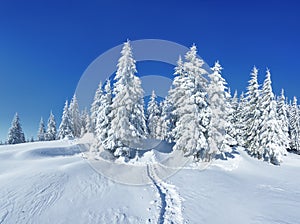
(169, 198)
(53, 182)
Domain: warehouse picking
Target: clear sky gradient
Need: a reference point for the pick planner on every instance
(45, 46)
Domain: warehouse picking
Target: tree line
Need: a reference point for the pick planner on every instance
(199, 115)
(73, 125)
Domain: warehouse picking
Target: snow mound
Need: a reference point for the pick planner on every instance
(166, 160)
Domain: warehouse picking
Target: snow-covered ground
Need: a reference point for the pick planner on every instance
(53, 182)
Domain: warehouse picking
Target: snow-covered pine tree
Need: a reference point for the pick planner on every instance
(176, 91)
(103, 118)
(189, 98)
(189, 135)
(42, 131)
(233, 116)
(85, 122)
(283, 119)
(220, 108)
(128, 123)
(166, 124)
(241, 114)
(51, 128)
(294, 120)
(252, 116)
(15, 133)
(95, 106)
(75, 117)
(153, 117)
(65, 127)
(160, 128)
(271, 144)
(88, 126)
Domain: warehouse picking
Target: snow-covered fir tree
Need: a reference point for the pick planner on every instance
(167, 119)
(95, 106)
(153, 117)
(191, 107)
(294, 120)
(271, 144)
(283, 119)
(65, 127)
(220, 108)
(85, 122)
(128, 123)
(252, 116)
(51, 128)
(42, 131)
(232, 130)
(88, 125)
(103, 118)
(189, 135)
(75, 117)
(241, 114)
(169, 116)
(15, 133)
(162, 125)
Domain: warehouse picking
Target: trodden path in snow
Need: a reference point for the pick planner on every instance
(170, 207)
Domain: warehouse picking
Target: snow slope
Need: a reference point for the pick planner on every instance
(52, 182)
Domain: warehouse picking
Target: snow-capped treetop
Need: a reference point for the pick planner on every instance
(191, 56)
(126, 66)
(179, 69)
(253, 87)
(217, 69)
(268, 94)
(152, 105)
(193, 67)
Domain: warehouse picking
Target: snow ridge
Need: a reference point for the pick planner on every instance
(171, 208)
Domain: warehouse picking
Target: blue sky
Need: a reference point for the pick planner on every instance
(45, 46)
